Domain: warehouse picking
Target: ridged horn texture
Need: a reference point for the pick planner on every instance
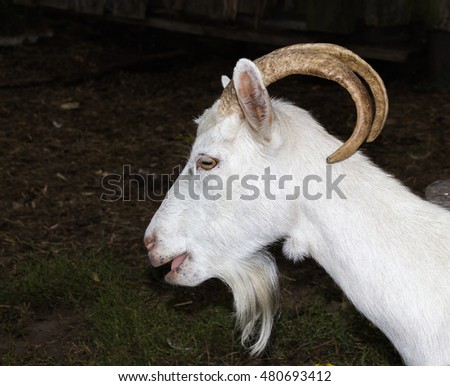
(331, 62)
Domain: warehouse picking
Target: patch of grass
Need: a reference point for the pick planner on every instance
(53, 281)
(133, 330)
(122, 320)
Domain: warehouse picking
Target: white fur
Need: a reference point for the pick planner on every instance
(387, 249)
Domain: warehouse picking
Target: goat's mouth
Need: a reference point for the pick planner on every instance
(157, 260)
(177, 268)
(177, 261)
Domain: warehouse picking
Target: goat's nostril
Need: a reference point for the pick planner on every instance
(149, 242)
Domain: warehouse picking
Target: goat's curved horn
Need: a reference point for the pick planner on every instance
(365, 71)
(334, 63)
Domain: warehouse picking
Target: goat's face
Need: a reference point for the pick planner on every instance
(203, 226)
(210, 225)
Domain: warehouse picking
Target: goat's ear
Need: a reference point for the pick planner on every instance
(225, 80)
(253, 97)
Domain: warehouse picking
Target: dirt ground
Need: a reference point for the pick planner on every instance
(82, 104)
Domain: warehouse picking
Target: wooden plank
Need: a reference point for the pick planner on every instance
(338, 16)
(387, 13)
(93, 7)
(29, 3)
(389, 54)
(212, 10)
(134, 9)
(398, 54)
(59, 4)
(247, 35)
(285, 24)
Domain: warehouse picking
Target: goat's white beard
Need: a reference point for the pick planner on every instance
(254, 283)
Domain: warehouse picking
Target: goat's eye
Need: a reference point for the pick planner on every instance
(206, 163)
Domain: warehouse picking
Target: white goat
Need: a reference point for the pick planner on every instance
(386, 248)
